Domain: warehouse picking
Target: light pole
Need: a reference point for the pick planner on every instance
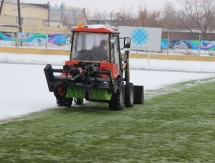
(199, 44)
(2, 2)
(19, 16)
(168, 44)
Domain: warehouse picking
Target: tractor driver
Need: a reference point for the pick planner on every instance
(100, 52)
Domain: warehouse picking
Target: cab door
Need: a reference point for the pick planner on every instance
(115, 52)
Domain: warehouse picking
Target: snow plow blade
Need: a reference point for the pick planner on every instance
(139, 94)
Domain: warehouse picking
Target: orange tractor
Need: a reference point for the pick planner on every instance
(96, 70)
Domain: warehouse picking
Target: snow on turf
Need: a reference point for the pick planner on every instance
(24, 88)
(192, 66)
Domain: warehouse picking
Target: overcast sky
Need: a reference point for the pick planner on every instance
(104, 5)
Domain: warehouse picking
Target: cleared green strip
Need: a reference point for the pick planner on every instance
(176, 124)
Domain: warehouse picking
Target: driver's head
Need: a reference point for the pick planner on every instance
(103, 43)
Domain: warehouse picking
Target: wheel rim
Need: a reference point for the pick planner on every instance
(61, 91)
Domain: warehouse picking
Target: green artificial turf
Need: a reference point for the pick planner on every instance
(176, 124)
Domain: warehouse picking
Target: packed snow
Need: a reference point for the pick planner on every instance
(24, 88)
(135, 64)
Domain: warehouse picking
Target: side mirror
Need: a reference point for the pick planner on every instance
(127, 42)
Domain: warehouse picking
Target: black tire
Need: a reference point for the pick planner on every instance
(64, 102)
(117, 100)
(60, 91)
(79, 101)
(60, 102)
(129, 95)
(69, 102)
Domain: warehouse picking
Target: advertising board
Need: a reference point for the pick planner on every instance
(147, 39)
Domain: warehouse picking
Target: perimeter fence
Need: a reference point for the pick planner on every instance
(44, 37)
(60, 38)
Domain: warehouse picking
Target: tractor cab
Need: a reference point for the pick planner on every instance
(95, 71)
(90, 47)
(96, 45)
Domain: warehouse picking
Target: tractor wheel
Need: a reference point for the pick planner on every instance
(78, 101)
(129, 95)
(60, 102)
(64, 102)
(69, 102)
(59, 90)
(117, 100)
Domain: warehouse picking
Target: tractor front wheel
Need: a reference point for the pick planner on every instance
(60, 91)
(129, 95)
(64, 102)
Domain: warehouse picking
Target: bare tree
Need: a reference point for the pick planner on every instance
(193, 15)
(71, 17)
(155, 19)
(169, 21)
(125, 17)
(97, 15)
(146, 18)
(142, 16)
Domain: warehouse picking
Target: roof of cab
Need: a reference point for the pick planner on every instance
(94, 29)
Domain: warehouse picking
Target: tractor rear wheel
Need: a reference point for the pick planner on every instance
(129, 95)
(117, 100)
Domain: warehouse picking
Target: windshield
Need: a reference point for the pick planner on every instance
(90, 47)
